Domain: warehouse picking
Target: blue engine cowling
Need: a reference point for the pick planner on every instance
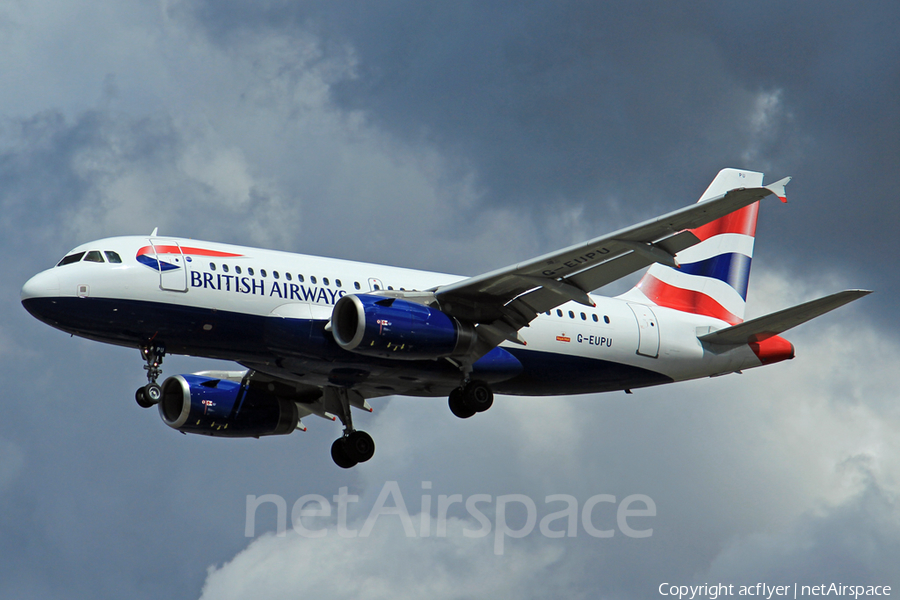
(396, 328)
(218, 407)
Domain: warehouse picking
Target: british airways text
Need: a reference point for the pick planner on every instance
(252, 285)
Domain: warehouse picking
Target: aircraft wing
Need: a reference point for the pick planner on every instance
(505, 300)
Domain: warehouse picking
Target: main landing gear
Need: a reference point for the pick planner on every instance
(470, 398)
(354, 446)
(151, 393)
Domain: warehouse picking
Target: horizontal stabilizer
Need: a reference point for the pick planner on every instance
(778, 322)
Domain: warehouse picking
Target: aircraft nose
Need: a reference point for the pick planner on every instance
(42, 285)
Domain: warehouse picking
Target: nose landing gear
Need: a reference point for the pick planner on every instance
(151, 393)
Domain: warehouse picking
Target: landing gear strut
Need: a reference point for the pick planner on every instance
(470, 398)
(354, 446)
(151, 393)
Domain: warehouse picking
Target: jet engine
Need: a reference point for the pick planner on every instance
(196, 404)
(397, 328)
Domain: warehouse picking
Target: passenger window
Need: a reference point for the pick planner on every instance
(356, 284)
(212, 266)
(250, 271)
(337, 282)
(275, 274)
(606, 319)
(74, 258)
(558, 313)
(237, 270)
(571, 315)
(583, 317)
(225, 268)
(390, 287)
(300, 278)
(325, 280)
(287, 276)
(595, 318)
(113, 257)
(262, 272)
(312, 278)
(94, 256)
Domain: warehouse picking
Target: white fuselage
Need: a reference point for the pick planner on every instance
(268, 310)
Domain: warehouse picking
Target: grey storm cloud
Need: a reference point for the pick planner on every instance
(600, 104)
(458, 137)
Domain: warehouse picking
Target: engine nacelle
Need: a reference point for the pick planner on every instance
(396, 328)
(196, 404)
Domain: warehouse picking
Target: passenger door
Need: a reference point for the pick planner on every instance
(173, 275)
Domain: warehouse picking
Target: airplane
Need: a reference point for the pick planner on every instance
(320, 336)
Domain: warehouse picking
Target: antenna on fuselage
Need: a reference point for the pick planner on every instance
(155, 231)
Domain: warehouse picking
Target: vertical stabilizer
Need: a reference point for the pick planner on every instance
(713, 275)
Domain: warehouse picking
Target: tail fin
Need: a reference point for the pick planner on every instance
(713, 275)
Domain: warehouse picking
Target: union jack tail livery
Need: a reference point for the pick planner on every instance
(712, 276)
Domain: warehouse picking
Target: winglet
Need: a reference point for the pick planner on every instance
(154, 232)
(777, 188)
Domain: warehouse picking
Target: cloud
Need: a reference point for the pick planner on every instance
(854, 543)
(267, 161)
(384, 565)
(587, 105)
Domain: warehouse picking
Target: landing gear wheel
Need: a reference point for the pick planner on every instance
(339, 454)
(152, 393)
(141, 398)
(477, 396)
(458, 406)
(359, 446)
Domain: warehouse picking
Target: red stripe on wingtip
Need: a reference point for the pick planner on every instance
(663, 294)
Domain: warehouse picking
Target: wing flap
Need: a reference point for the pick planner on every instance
(775, 323)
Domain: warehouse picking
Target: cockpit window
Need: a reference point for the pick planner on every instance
(112, 257)
(72, 258)
(94, 256)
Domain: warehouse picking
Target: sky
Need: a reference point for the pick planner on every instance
(457, 137)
